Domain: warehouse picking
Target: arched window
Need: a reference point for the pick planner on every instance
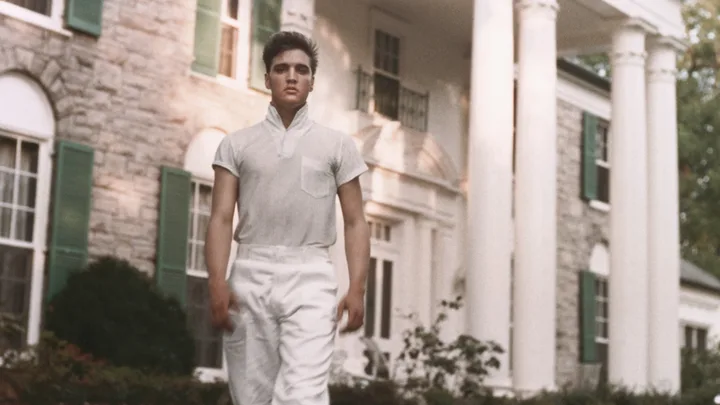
(198, 162)
(27, 128)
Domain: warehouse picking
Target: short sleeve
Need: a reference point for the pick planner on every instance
(350, 163)
(226, 156)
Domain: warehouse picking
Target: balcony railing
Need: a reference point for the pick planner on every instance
(385, 95)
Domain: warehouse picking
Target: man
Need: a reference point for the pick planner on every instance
(279, 306)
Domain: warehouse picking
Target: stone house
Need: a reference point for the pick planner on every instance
(110, 113)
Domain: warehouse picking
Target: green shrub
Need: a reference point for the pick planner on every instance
(457, 368)
(115, 313)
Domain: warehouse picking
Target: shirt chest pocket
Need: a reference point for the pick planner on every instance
(315, 178)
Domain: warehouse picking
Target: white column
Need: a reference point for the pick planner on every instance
(535, 195)
(628, 284)
(298, 15)
(490, 177)
(663, 223)
(423, 272)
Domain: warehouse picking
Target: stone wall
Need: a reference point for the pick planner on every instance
(131, 96)
(579, 227)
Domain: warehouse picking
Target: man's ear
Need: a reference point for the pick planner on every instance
(267, 81)
(312, 82)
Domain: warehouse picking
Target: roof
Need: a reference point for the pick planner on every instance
(584, 74)
(694, 276)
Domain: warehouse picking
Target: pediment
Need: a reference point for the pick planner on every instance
(418, 153)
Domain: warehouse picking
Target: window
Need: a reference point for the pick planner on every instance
(601, 326)
(602, 161)
(38, 6)
(208, 340)
(223, 31)
(18, 198)
(379, 291)
(695, 338)
(386, 77)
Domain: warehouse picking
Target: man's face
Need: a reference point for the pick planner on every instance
(290, 80)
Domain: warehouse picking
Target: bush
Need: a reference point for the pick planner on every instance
(115, 313)
(445, 369)
(59, 373)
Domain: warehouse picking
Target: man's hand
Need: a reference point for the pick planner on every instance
(353, 302)
(221, 300)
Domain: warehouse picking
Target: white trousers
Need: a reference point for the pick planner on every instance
(281, 348)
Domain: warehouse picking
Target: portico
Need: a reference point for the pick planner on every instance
(643, 206)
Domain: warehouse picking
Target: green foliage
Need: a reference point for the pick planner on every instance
(700, 368)
(457, 368)
(115, 313)
(698, 130)
(56, 372)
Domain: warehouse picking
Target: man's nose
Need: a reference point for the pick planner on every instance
(292, 75)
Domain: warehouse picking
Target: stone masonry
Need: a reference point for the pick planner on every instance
(579, 227)
(129, 94)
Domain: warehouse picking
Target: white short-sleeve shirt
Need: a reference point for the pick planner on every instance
(288, 179)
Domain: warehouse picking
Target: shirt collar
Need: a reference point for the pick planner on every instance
(300, 120)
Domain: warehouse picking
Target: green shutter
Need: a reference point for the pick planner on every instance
(71, 206)
(265, 22)
(85, 16)
(207, 37)
(589, 168)
(173, 232)
(588, 352)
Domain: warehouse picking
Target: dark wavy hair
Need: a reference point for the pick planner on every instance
(288, 40)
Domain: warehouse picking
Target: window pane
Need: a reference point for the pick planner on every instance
(38, 6)
(688, 337)
(7, 152)
(203, 222)
(24, 222)
(370, 299)
(387, 93)
(27, 187)
(701, 339)
(199, 257)
(232, 9)
(29, 157)
(208, 341)
(7, 186)
(385, 320)
(205, 198)
(15, 276)
(5, 222)
(603, 177)
(228, 44)
(602, 353)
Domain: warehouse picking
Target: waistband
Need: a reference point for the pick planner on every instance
(282, 254)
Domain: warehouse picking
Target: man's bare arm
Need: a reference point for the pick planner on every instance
(357, 235)
(220, 228)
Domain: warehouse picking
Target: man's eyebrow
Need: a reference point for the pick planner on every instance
(286, 64)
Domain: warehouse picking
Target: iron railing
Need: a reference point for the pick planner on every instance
(384, 95)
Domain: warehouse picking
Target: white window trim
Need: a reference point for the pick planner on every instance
(42, 208)
(54, 22)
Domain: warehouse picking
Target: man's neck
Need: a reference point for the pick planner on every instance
(287, 114)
